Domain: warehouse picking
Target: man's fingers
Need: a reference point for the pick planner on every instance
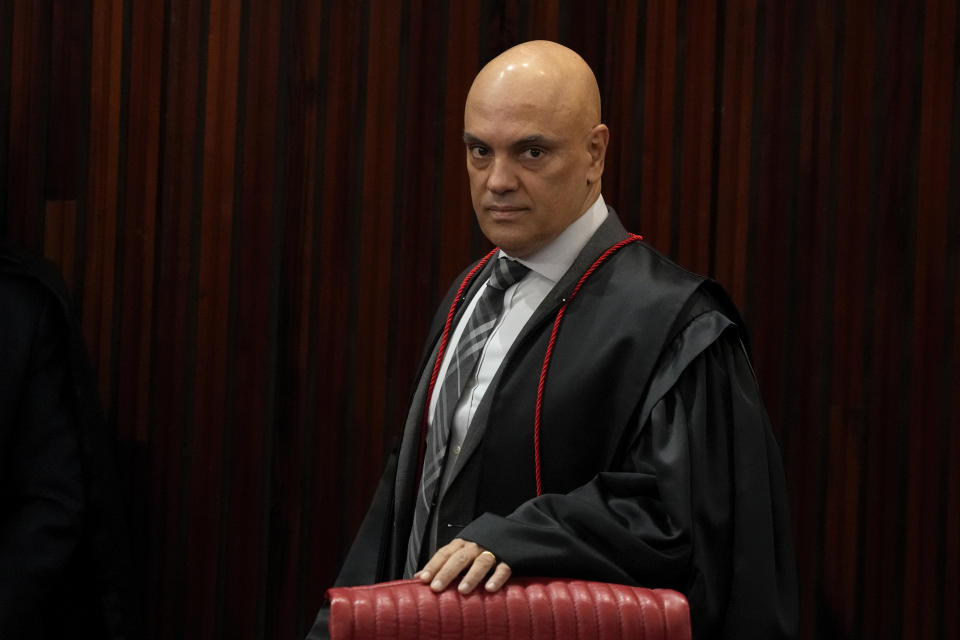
(499, 577)
(455, 564)
(439, 559)
(482, 564)
(460, 555)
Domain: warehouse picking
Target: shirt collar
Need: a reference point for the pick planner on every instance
(553, 260)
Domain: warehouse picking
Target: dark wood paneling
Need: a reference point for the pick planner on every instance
(257, 205)
(30, 52)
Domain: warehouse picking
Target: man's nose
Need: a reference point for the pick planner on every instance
(502, 177)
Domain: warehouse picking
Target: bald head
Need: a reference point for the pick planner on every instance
(535, 144)
(541, 73)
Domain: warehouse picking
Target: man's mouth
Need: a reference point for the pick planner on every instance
(503, 211)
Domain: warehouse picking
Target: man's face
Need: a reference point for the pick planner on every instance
(528, 163)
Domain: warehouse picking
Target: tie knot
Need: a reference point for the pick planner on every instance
(506, 272)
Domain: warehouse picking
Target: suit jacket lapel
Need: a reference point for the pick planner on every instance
(408, 459)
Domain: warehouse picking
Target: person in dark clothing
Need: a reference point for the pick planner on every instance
(600, 418)
(64, 557)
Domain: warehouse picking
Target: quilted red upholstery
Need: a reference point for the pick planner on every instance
(536, 608)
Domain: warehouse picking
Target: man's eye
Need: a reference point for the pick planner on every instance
(533, 152)
(479, 152)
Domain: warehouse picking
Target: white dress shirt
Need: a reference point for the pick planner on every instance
(520, 300)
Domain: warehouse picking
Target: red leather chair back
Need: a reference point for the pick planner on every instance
(527, 608)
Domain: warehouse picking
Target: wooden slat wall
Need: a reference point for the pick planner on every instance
(257, 205)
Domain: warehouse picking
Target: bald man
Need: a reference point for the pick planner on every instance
(650, 461)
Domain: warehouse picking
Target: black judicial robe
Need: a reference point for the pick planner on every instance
(64, 559)
(659, 465)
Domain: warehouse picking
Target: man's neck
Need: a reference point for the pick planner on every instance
(553, 260)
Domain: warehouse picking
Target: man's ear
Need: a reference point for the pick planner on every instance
(597, 148)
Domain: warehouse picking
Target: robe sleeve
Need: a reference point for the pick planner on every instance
(42, 495)
(697, 502)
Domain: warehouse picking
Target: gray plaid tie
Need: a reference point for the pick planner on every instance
(462, 365)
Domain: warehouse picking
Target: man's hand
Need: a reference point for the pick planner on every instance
(449, 561)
